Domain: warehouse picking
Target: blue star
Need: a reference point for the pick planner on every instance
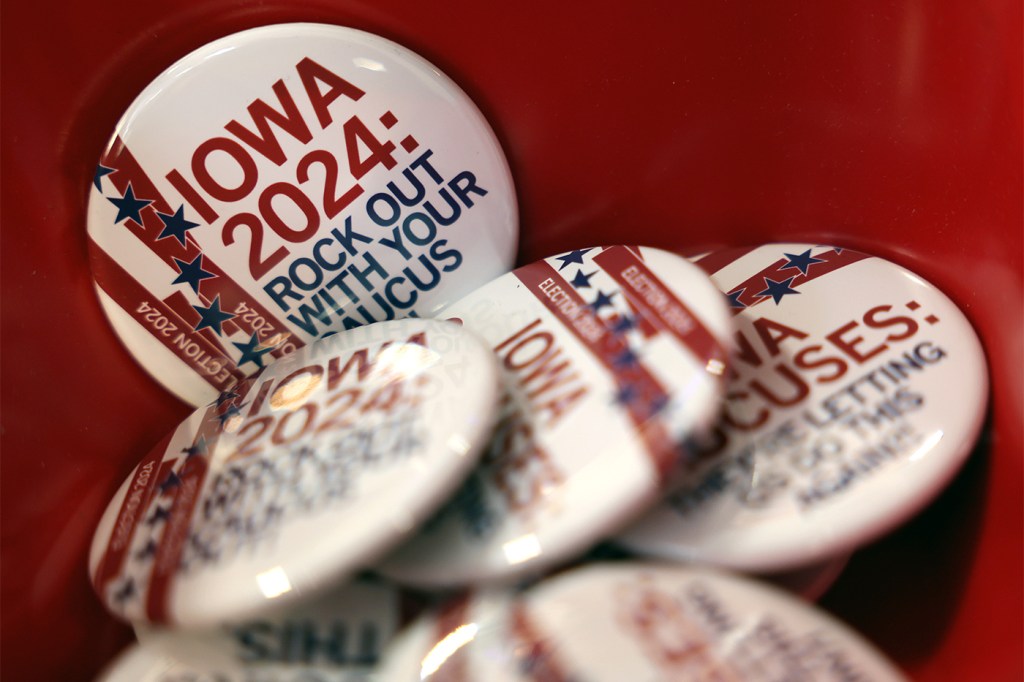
(626, 394)
(191, 273)
(658, 404)
(125, 592)
(623, 324)
(601, 301)
(250, 352)
(148, 550)
(734, 298)
(229, 413)
(101, 172)
(801, 262)
(173, 481)
(571, 257)
(581, 281)
(777, 289)
(175, 225)
(159, 514)
(226, 397)
(129, 206)
(198, 448)
(212, 317)
(627, 358)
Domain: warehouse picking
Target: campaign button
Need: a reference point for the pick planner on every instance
(300, 476)
(635, 621)
(856, 393)
(283, 183)
(612, 358)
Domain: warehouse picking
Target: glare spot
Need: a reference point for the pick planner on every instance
(444, 649)
(273, 583)
(521, 549)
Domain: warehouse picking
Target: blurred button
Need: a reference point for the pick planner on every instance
(612, 358)
(289, 483)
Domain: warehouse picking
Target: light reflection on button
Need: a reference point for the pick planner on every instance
(522, 549)
(273, 583)
(443, 650)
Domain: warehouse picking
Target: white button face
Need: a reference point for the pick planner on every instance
(284, 182)
(858, 391)
(343, 631)
(298, 477)
(611, 357)
(634, 621)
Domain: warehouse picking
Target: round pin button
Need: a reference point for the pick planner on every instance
(611, 357)
(857, 391)
(298, 477)
(283, 183)
(638, 622)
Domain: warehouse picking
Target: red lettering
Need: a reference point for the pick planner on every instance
(289, 119)
(871, 319)
(849, 346)
(311, 75)
(772, 334)
(201, 171)
(804, 361)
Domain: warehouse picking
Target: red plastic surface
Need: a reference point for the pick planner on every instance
(893, 127)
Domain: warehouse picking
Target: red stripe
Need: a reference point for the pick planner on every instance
(537, 654)
(646, 292)
(777, 272)
(127, 170)
(543, 281)
(126, 291)
(130, 514)
(716, 260)
(184, 499)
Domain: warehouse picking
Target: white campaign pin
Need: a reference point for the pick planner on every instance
(611, 357)
(635, 621)
(298, 477)
(285, 182)
(857, 391)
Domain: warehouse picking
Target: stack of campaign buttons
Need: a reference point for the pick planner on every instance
(766, 410)
(285, 182)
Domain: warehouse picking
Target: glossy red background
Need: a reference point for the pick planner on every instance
(893, 127)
